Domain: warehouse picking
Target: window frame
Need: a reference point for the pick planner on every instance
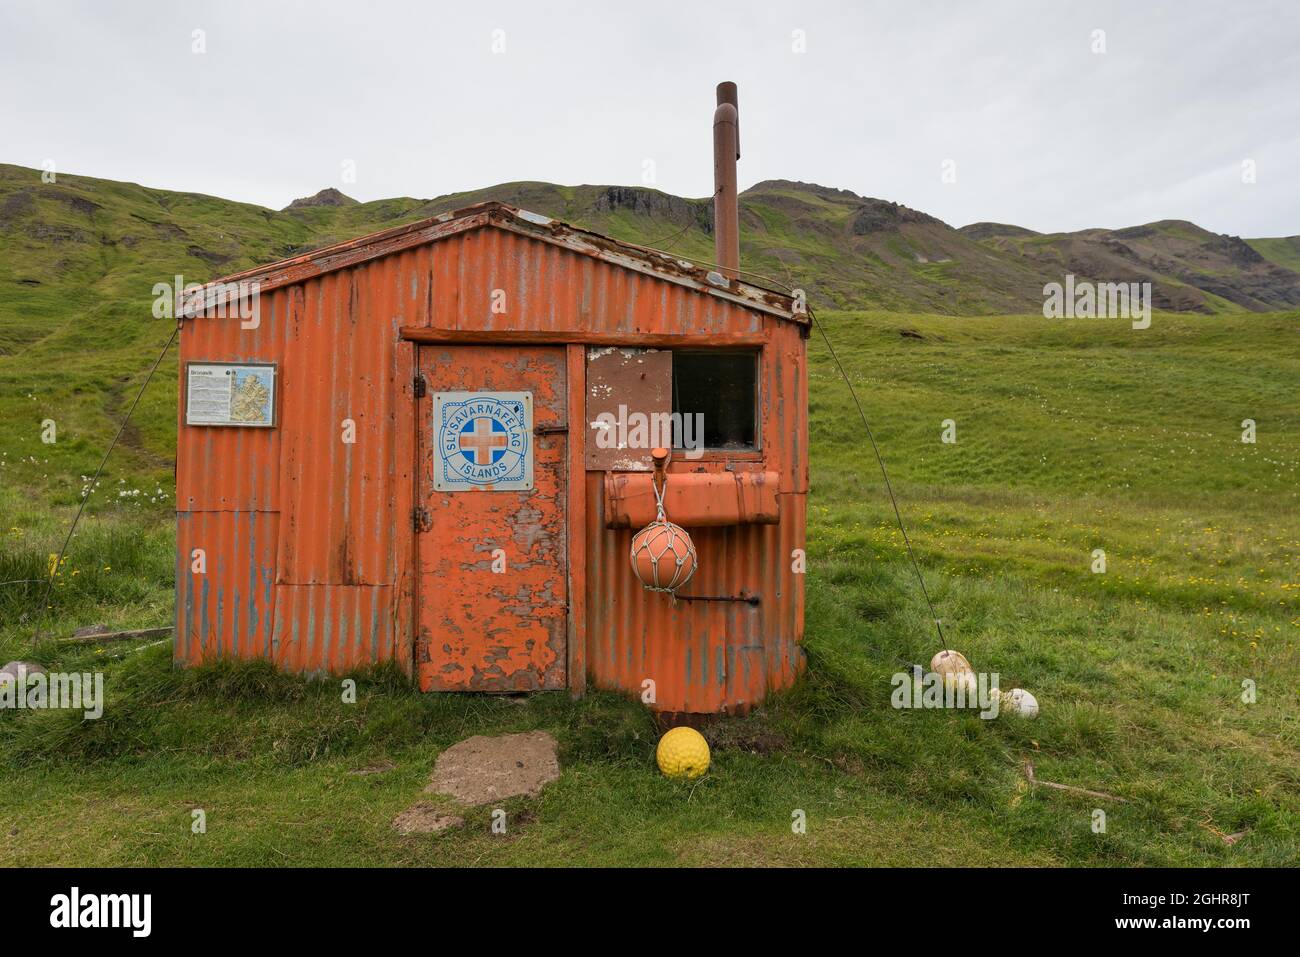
(714, 453)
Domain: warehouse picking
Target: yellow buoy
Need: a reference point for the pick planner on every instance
(683, 753)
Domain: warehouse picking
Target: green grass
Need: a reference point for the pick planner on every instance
(1072, 436)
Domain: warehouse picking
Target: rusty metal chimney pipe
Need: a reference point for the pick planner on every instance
(726, 203)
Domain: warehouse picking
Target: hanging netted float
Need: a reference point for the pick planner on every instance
(663, 555)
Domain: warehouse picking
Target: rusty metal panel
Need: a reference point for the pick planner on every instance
(332, 628)
(493, 588)
(229, 468)
(225, 572)
(226, 498)
(623, 384)
(495, 280)
(576, 521)
(332, 502)
(707, 655)
(337, 436)
(711, 655)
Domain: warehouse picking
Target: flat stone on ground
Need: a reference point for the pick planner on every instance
(424, 818)
(482, 769)
(15, 670)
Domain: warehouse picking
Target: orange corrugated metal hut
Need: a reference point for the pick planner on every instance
(423, 446)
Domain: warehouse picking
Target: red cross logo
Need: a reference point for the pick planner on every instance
(482, 441)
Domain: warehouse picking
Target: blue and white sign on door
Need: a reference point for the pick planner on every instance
(484, 441)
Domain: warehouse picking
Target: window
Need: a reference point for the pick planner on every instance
(716, 392)
(696, 399)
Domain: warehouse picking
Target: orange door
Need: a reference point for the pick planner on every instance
(493, 589)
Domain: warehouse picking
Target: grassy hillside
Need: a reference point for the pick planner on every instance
(1284, 250)
(82, 235)
(1190, 269)
(1072, 436)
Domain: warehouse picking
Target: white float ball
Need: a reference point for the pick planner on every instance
(1021, 702)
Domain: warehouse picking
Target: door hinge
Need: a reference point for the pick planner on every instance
(420, 386)
(421, 521)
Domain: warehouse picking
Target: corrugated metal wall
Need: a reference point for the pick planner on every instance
(317, 515)
(707, 656)
(309, 547)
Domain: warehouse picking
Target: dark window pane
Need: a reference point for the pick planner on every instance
(723, 388)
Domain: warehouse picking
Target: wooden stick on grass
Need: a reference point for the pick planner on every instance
(106, 636)
(1029, 773)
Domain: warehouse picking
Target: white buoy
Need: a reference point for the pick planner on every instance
(1021, 702)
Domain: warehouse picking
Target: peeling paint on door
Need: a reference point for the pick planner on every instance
(493, 585)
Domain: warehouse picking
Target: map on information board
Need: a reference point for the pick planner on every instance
(219, 393)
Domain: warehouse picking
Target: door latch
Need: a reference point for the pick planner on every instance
(420, 386)
(421, 520)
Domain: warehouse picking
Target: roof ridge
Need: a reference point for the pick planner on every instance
(342, 255)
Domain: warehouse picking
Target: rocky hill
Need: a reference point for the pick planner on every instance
(107, 241)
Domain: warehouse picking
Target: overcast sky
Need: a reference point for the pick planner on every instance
(431, 98)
